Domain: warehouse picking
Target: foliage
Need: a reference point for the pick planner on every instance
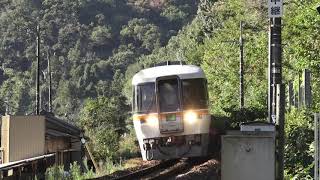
(95, 48)
(57, 172)
(128, 145)
(298, 148)
(103, 122)
(90, 45)
(211, 41)
(86, 41)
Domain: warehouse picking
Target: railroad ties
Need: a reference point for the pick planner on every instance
(168, 169)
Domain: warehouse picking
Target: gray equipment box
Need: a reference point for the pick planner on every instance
(248, 156)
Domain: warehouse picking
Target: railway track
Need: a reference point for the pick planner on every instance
(182, 166)
(145, 173)
(165, 170)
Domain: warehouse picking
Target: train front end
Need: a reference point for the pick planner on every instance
(170, 112)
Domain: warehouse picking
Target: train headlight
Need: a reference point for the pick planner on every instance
(152, 120)
(191, 117)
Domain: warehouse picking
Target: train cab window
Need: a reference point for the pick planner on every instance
(145, 98)
(195, 93)
(168, 95)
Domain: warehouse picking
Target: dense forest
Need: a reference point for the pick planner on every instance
(96, 46)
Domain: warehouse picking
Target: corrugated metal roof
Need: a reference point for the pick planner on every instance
(56, 125)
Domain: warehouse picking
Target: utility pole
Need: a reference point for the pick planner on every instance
(241, 44)
(290, 94)
(307, 88)
(276, 93)
(276, 55)
(49, 88)
(277, 86)
(317, 145)
(270, 80)
(38, 72)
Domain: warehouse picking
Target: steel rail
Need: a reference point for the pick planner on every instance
(143, 172)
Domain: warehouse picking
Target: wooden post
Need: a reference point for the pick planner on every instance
(92, 158)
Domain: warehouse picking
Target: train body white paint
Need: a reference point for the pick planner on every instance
(170, 111)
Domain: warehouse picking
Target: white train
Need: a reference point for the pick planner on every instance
(170, 111)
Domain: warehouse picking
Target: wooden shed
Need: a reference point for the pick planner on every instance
(24, 137)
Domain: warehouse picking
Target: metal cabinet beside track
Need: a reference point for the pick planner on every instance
(248, 156)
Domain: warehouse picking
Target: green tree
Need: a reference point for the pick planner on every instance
(144, 36)
(101, 121)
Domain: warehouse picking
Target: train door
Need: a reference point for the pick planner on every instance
(169, 104)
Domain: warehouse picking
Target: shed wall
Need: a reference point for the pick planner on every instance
(23, 137)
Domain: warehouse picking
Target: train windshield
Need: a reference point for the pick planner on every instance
(168, 95)
(195, 93)
(194, 96)
(145, 99)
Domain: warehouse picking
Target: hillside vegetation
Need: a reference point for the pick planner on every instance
(97, 46)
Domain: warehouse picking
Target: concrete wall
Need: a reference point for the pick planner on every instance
(22, 137)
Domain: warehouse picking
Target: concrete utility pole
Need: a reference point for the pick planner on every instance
(38, 73)
(270, 80)
(275, 64)
(276, 89)
(307, 88)
(278, 110)
(291, 94)
(241, 44)
(316, 145)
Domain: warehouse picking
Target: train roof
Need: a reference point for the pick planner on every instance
(183, 71)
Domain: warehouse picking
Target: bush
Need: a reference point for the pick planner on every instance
(128, 146)
(57, 172)
(298, 144)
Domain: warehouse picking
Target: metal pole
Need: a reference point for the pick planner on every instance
(270, 80)
(38, 72)
(316, 151)
(276, 106)
(290, 94)
(307, 88)
(49, 89)
(300, 91)
(280, 123)
(241, 44)
(276, 52)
